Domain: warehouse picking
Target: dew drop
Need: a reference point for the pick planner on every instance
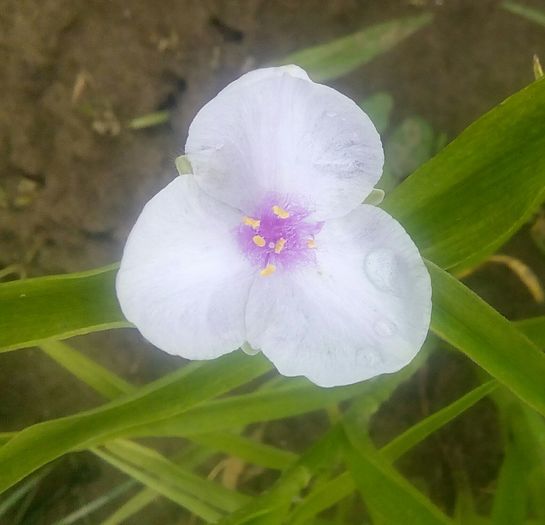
(330, 114)
(385, 328)
(381, 269)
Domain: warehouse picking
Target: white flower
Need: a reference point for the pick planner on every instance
(267, 242)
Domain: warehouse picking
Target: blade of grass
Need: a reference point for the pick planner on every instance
(534, 329)
(379, 108)
(165, 471)
(368, 403)
(322, 498)
(111, 385)
(186, 501)
(509, 506)
(341, 56)
(388, 493)
(343, 485)
(417, 433)
(290, 399)
(58, 306)
(534, 15)
(97, 503)
(11, 499)
(94, 375)
(170, 396)
(247, 449)
(510, 501)
(191, 457)
(6, 436)
(277, 500)
(242, 410)
(464, 320)
(469, 199)
(134, 505)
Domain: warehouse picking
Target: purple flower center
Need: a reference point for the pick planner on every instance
(278, 235)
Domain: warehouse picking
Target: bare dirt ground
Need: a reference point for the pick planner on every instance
(73, 176)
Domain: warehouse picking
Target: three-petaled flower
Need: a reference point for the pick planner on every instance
(267, 242)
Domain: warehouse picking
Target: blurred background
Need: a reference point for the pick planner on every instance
(77, 163)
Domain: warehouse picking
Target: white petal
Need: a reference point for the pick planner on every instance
(274, 130)
(363, 310)
(183, 281)
(267, 73)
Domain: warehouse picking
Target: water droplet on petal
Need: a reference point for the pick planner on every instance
(330, 114)
(385, 328)
(381, 269)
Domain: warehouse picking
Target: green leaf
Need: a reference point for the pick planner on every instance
(97, 377)
(417, 433)
(166, 472)
(167, 397)
(323, 497)
(132, 506)
(379, 108)
(189, 459)
(97, 503)
(534, 15)
(247, 449)
(511, 494)
(341, 56)
(534, 329)
(111, 386)
(6, 436)
(185, 500)
(57, 307)
(510, 501)
(21, 491)
(295, 397)
(272, 506)
(239, 411)
(384, 490)
(410, 145)
(464, 203)
(464, 320)
(340, 487)
(521, 482)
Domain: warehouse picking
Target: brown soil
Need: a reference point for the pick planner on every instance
(73, 177)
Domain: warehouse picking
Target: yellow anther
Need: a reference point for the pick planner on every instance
(258, 240)
(281, 213)
(253, 223)
(270, 268)
(311, 243)
(279, 246)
